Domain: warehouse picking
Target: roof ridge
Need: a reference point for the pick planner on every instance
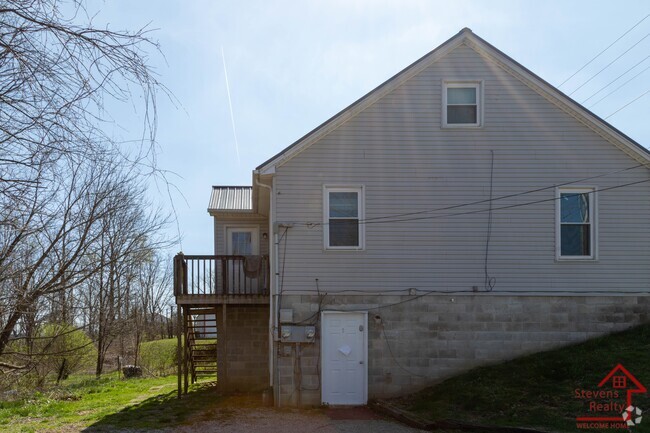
(469, 38)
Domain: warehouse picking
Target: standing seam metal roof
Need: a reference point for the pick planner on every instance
(233, 198)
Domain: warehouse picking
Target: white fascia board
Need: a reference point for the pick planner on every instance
(268, 169)
(563, 102)
(363, 103)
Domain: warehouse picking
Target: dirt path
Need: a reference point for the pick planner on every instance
(260, 420)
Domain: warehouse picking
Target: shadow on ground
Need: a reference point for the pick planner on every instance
(202, 403)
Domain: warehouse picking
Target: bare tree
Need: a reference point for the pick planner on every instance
(47, 252)
(128, 242)
(55, 79)
(151, 301)
(63, 178)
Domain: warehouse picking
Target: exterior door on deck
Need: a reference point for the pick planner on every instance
(240, 241)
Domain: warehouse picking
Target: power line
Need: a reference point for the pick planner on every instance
(613, 91)
(488, 282)
(610, 64)
(633, 100)
(390, 351)
(616, 79)
(505, 207)
(397, 217)
(608, 47)
(531, 191)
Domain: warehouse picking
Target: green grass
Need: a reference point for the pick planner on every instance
(107, 404)
(537, 391)
(159, 356)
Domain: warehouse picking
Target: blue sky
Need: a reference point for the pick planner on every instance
(293, 64)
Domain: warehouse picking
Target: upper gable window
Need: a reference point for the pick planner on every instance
(462, 104)
(343, 212)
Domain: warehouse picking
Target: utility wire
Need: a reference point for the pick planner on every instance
(432, 217)
(505, 207)
(518, 194)
(531, 191)
(460, 292)
(613, 91)
(392, 355)
(610, 64)
(425, 292)
(488, 283)
(608, 47)
(616, 79)
(633, 100)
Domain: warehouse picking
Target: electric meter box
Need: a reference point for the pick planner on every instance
(297, 334)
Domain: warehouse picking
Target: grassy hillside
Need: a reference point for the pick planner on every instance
(84, 401)
(539, 391)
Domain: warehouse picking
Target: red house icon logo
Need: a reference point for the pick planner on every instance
(621, 382)
(619, 377)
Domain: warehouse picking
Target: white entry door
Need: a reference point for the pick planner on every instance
(345, 358)
(242, 241)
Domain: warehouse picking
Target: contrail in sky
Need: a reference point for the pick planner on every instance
(232, 116)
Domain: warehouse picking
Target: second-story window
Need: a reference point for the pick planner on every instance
(343, 212)
(576, 234)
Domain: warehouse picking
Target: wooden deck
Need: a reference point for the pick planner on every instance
(210, 280)
(204, 287)
(213, 299)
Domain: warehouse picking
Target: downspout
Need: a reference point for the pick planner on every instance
(272, 262)
(275, 319)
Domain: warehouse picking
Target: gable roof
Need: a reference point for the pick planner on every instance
(231, 199)
(639, 388)
(467, 37)
(619, 367)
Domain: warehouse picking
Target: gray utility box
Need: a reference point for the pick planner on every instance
(297, 334)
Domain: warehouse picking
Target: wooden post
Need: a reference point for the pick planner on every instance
(223, 335)
(186, 357)
(224, 272)
(178, 348)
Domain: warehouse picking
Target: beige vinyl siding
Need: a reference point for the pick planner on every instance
(407, 163)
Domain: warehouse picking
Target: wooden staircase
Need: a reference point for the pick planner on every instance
(201, 336)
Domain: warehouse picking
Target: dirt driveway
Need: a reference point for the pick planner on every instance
(258, 420)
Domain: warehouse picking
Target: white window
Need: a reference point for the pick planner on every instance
(242, 241)
(575, 223)
(343, 211)
(462, 104)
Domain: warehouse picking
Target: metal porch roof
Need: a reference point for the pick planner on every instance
(231, 198)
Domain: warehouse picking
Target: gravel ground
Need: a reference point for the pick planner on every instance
(244, 413)
(264, 419)
(289, 421)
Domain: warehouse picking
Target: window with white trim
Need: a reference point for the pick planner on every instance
(343, 211)
(576, 229)
(462, 104)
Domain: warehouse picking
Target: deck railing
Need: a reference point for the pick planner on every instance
(221, 275)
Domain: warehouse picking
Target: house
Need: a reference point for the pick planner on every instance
(464, 212)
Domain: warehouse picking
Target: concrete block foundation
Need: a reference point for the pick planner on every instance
(243, 347)
(424, 340)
